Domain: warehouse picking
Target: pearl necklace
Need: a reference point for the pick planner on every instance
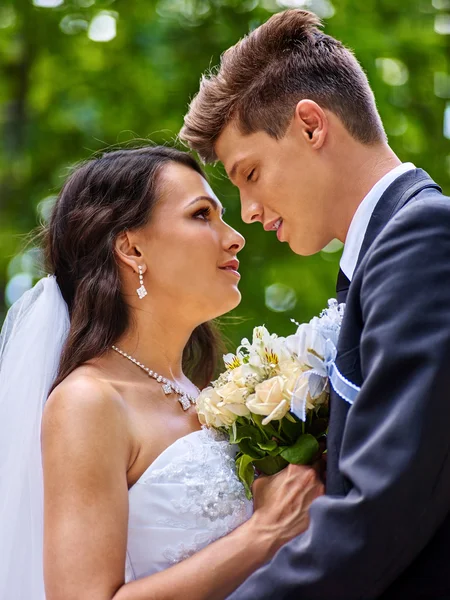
(167, 386)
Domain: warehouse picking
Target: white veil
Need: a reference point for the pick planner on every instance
(31, 342)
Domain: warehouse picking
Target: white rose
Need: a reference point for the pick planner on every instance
(306, 392)
(233, 398)
(290, 382)
(212, 411)
(298, 389)
(277, 413)
(268, 400)
(291, 366)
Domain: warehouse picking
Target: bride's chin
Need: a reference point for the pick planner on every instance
(237, 300)
(229, 303)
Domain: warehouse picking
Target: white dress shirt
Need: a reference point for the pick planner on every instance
(361, 218)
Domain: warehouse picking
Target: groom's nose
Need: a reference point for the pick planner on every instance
(251, 211)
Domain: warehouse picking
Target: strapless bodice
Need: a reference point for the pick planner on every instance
(186, 499)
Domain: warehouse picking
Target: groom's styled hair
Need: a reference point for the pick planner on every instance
(261, 79)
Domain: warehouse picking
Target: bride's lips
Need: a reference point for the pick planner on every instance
(232, 267)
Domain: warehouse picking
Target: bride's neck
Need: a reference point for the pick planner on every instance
(156, 341)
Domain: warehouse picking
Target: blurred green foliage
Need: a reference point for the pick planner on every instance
(80, 75)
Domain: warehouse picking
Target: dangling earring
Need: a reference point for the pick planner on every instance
(141, 291)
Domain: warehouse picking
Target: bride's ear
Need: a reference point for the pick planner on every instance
(128, 252)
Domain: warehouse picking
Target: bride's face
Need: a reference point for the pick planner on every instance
(189, 251)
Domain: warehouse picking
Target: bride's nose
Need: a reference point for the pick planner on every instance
(233, 240)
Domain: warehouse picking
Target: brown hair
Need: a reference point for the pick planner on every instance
(262, 78)
(101, 199)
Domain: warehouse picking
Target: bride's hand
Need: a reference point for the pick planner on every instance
(282, 501)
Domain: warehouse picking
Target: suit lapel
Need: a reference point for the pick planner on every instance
(342, 285)
(399, 193)
(394, 198)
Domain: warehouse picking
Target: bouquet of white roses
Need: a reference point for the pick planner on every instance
(272, 399)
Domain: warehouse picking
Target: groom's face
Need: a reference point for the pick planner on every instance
(282, 183)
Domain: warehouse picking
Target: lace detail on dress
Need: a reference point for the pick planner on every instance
(182, 551)
(211, 493)
(189, 497)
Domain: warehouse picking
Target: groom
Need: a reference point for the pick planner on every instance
(291, 116)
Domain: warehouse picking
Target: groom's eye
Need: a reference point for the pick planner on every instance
(250, 175)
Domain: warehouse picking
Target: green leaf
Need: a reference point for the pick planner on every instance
(290, 417)
(233, 432)
(246, 473)
(303, 451)
(269, 465)
(269, 445)
(292, 430)
(276, 451)
(249, 447)
(247, 432)
(240, 433)
(268, 430)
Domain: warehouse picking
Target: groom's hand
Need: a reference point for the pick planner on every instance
(282, 501)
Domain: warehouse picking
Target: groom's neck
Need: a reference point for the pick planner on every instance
(359, 169)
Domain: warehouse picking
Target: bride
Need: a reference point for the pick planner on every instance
(130, 499)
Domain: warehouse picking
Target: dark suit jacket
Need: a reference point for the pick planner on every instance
(383, 528)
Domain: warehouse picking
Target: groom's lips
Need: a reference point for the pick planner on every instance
(269, 226)
(279, 231)
(272, 226)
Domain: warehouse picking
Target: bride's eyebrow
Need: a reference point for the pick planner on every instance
(216, 206)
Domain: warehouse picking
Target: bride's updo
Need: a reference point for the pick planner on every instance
(102, 198)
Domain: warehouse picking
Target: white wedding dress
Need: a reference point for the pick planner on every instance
(187, 498)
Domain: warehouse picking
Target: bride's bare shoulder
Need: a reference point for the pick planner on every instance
(84, 404)
(83, 388)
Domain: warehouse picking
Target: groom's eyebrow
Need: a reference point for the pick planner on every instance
(214, 203)
(234, 169)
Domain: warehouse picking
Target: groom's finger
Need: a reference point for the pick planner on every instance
(320, 467)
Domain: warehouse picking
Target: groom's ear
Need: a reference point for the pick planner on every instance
(313, 123)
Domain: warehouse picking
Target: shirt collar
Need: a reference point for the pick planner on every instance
(361, 218)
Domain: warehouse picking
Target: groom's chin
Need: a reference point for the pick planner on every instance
(307, 247)
(303, 250)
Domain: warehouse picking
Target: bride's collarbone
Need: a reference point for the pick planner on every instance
(153, 431)
(154, 420)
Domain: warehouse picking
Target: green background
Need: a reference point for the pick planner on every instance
(65, 94)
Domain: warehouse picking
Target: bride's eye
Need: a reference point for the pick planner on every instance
(203, 213)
